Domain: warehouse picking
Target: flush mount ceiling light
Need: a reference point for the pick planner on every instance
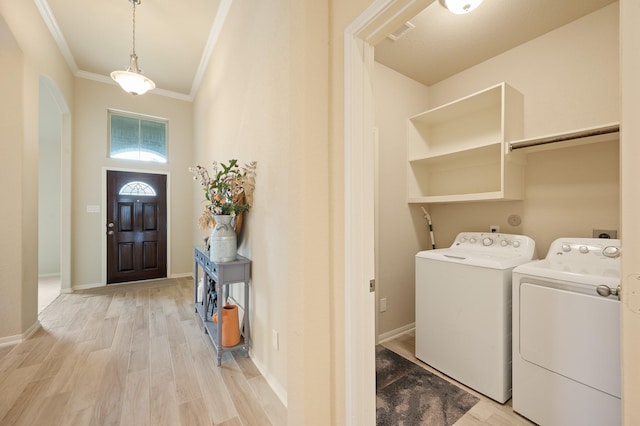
(460, 6)
(132, 80)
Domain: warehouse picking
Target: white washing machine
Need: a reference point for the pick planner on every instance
(463, 308)
(566, 335)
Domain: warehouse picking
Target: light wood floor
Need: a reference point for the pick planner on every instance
(485, 412)
(48, 291)
(130, 355)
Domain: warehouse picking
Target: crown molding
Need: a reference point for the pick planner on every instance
(52, 24)
(216, 29)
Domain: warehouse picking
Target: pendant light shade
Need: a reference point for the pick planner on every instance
(132, 80)
(461, 6)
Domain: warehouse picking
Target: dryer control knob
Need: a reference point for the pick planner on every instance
(504, 243)
(472, 240)
(487, 241)
(584, 249)
(611, 251)
(566, 247)
(516, 244)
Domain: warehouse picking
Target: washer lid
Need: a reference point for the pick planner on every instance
(486, 250)
(480, 258)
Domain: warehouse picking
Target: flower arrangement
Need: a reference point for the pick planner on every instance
(229, 192)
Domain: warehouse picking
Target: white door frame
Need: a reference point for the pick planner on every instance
(382, 17)
(630, 208)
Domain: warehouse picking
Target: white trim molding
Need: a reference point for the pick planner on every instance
(390, 335)
(380, 19)
(19, 338)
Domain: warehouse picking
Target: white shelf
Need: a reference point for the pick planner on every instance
(456, 152)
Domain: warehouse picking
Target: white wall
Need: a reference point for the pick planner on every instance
(49, 184)
(11, 149)
(569, 78)
(630, 176)
(241, 112)
(28, 52)
(264, 98)
(400, 228)
(90, 157)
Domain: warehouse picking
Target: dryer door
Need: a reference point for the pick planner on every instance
(572, 334)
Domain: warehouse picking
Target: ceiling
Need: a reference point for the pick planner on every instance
(173, 38)
(443, 44)
(174, 41)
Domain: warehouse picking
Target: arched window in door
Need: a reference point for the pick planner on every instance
(138, 189)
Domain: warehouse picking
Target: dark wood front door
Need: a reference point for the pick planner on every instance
(136, 226)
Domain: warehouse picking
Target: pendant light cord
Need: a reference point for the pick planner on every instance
(134, 25)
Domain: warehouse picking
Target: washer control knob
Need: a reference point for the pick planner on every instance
(516, 244)
(487, 241)
(611, 251)
(472, 240)
(462, 239)
(584, 249)
(566, 247)
(504, 243)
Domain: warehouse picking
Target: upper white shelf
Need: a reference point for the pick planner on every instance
(456, 151)
(468, 123)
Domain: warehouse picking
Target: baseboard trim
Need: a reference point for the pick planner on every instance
(183, 275)
(87, 286)
(280, 392)
(19, 338)
(97, 285)
(51, 275)
(389, 335)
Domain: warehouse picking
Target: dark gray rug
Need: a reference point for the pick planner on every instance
(408, 395)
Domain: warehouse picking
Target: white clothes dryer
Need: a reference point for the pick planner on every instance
(566, 335)
(463, 308)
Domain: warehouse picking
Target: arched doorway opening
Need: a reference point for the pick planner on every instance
(54, 193)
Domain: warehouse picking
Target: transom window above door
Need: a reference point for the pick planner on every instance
(137, 137)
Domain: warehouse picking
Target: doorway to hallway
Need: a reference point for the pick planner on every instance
(54, 188)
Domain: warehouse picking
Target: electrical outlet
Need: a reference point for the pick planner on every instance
(383, 304)
(494, 228)
(275, 339)
(605, 233)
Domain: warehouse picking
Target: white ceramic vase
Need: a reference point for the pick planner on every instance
(223, 241)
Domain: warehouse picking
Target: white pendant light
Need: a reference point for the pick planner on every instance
(132, 80)
(461, 6)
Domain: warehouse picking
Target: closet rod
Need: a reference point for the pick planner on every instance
(595, 131)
